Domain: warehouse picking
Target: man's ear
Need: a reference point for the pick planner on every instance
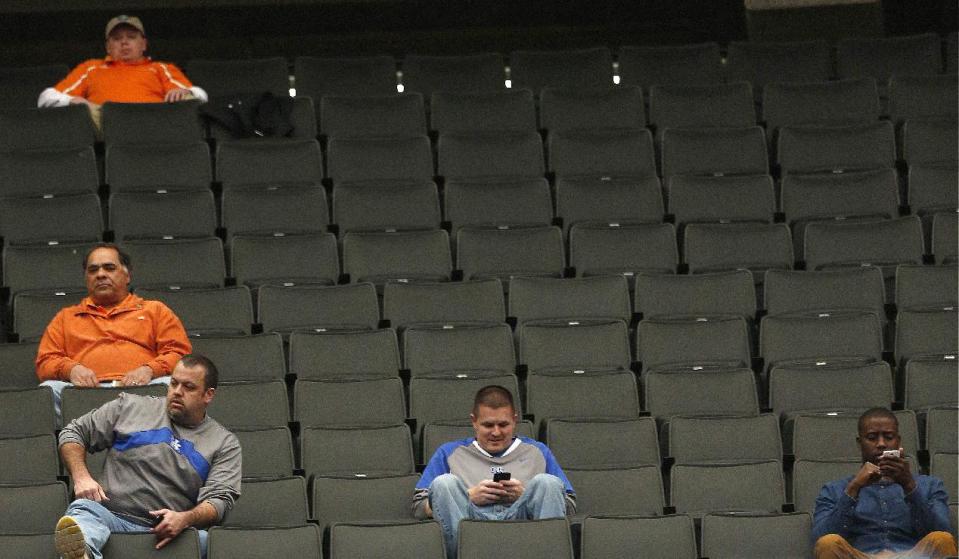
(209, 394)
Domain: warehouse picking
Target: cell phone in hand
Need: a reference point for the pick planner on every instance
(890, 453)
(501, 476)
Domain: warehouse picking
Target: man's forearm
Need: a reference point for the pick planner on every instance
(74, 457)
(202, 515)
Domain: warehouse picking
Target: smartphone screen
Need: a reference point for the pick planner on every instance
(501, 476)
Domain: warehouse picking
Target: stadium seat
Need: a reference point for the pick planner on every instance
(944, 466)
(503, 110)
(410, 256)
(31, 128)
(702, 440)
(44, 268)
(795, 292)
(603, 443)
(925, 333)
(530, 539)
(269, 162)
(29, 459)
(546, 299)
(623, 250)
(396, 114)
(31, 508)
(362, 498)
(655, 537)
(809, 476)
(271, 210)
(267, 452)
(386, 207)
(761, 63)
(727, 246)
(32, 312)
(883, 57)
(248, 404)
(606, 200)
(48, 172)
(714, 151)
(17, 365)
(812, 149)
(183, 263)
(481, 155)
(344, 402)
(921, 96)
(563, 109)
(607, 394)
(941, 435)
(601, 153)
(829, 386)
(730, 535)
(854, 336)
(701, 295)
(275, 502)
(158, 167)
(832, 436)
(925, 287)
(499, 202)
(28, 546)
(239, 358)
(353, 75)
(690, 64)
(945, 232)
(399, 540)
(700, 106)
(379, 159)
(534, 70)
(620, 491)
(40, 219)
(699, 489)
(574, 345)
(319, 308)
(303, 542)
(151, 123)
(143, 546)
(241, 76)
(703, 391)
(820, 102)
(381, 450)
(698, 341)
(930, 140)
(929, 380)
(26, 411)
(482, 72)
(287, 260)
(454, 350)
(208, 312)
(344, 354)
(508, 253)
(932, 189)
(24, 84)
(162, 215)
(471, 302)
(721, 199)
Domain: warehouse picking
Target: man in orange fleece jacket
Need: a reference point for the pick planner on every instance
(126, 75)
(112, 337)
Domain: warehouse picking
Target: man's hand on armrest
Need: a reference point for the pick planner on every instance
(82, 376)
(140, 376)
(84, 486)
(173, 522)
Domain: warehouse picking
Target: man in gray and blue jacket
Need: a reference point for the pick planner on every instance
(169, 466)
(460, 481)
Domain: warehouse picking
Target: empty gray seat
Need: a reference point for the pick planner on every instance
(379, 159)
(31, 128)
(27, 411)
(624, 490)
(498, 202)
(546, 300)
(809, 476)
(287, 260)
(44, 268)
(396, 114)
(748, 486)
(143, 546)
(930, 140)
(476, 302)
(941, 430)
(756, 247)
(397, 256)
(151, 123)
(507, 253)
(812, 149)
(344, 354)
(158, 215)
(601, 153)
(564, 109)
(40, 219)
(458, 73)
(655, 537)
(574, 345)
(720, 199)
(180, 263)
(670, 65)
(608, 394)
(304, 542)
(920, 96)
(820, 102)
(269, 210)
(346, 75)
(452, 350)
(932, 189)
(24, 84)
(530, 539)
(28, 508)
(704, 105)
(274, 502)
(385, 207)
(685, 342)
(945, 232)
(703, 391)
(381, 450)
(943, 465)
(590, 67)
(205, 312)
(925, 287)
(832, 436)
(489, 154)
(882, 57)
(158, 167)
(267, 452)
(258, 357)
(608, 200)
(603, 443)
(701, 440)
(28, 459)
(48, 171)
(249, 404)
(930, 381)
(716, 151)
(343, 402)
(701, 295)
(735, 535)
(761, 63)
(250, 75)
(319, 308)
(32, 312)
(27, 546)
(623, 250)
(829, 385)
(399, 540)
(269, 162)
(795, 292)
(854, 336)
(502, 110)
(17, 363)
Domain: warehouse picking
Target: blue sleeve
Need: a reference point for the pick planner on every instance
(834, 510)
(552, 466)
(929, 504)
(437, 465)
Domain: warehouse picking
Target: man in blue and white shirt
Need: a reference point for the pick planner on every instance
(458, 481)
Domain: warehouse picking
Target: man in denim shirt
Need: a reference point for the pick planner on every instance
(884, 511)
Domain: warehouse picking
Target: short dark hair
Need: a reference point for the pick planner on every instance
(211, 376)
(124, 257)
(493, 396)
(876, 412)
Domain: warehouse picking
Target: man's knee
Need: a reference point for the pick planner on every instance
(940, 541)
(829, 542)
(546, 483)
(445, 483)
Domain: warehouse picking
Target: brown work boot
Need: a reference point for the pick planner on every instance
(69, 539)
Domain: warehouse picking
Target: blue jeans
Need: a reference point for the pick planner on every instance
(97, 523)
(57, 386)
(544, 497)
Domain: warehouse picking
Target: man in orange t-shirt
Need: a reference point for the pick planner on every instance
(126, 75)
(112, 337)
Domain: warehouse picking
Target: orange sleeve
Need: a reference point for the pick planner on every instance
(76, 82)
(52, 361)
(172, 77)
(171, 342)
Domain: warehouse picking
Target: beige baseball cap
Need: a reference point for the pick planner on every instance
(132, 21)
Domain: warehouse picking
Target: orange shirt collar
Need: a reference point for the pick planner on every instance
(131, 301)
(110, 61)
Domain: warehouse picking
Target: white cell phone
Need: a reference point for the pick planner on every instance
(890, 453)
